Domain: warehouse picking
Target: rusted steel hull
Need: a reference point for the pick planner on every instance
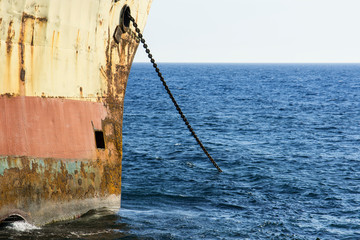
(64, 66)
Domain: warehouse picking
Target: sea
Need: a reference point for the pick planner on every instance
(287, 137)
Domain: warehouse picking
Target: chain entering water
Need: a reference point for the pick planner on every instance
(140, 36)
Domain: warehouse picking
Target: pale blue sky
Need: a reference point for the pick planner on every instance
(253, 31)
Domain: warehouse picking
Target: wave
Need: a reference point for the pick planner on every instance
(22, 226)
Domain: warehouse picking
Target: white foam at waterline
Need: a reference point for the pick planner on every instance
(22, 226)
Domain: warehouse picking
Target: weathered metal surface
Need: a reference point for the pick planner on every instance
(54, 47)
(62, 76)
(42, 190)
(50, 127)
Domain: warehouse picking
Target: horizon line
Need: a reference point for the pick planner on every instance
(253, 62)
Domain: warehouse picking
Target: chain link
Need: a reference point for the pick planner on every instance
(147, 50)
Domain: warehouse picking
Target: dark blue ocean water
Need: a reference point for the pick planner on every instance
(286, 136)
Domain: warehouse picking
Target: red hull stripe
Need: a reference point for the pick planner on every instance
(49, 127)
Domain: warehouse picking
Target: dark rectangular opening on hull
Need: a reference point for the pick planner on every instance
(99, 139)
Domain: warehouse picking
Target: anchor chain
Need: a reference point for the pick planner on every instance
(152, 60)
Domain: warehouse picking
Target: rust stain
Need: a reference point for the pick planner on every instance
(52, 46)
(88, 37)
(22, 74)
(27, 25)
(119, 58)
(25, 181)
(38, 19)
(52, 40)
(10, 36)
(32, 62)
(54, 43)
(9, 95)
(77, 45)
(32, 35)
(32, 180)
(21, 45)
(9, 39)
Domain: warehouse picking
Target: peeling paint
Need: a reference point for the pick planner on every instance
(67, 68)
(10, 36)
(36, 182)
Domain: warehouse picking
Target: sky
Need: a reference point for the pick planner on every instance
(253, 31)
